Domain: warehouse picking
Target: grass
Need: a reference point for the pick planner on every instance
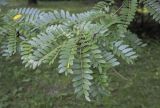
(142, 87)
(131, 86)
(72, 6)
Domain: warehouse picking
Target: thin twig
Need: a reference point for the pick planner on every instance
(119, 8)
(120, 75)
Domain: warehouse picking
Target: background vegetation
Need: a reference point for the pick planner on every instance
(133, 86)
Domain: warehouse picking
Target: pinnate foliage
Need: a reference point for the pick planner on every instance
(83, 45)
(154, 8)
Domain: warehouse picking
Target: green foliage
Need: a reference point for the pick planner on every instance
(127, 13)
(83, 46)
(3, 2)
(123, 51)
(153, 6)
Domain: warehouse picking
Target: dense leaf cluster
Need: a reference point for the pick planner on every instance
(83, 45)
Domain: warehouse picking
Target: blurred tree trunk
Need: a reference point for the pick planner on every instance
(32, 2)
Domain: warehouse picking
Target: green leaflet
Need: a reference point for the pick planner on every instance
(98, 88)
(82, 76)
(127, 12)
(123, 51)
(97, 58)
(10, 44)
(153, 6)
(66, 58)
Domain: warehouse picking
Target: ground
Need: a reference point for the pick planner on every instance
(131, 86)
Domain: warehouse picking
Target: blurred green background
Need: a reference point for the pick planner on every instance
(131, 86)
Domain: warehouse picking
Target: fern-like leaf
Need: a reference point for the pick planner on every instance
(46, 45)
(128, 11)
(10, 43)
(123, 51)
(67, 56)
(154, 8)
(82, 74)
